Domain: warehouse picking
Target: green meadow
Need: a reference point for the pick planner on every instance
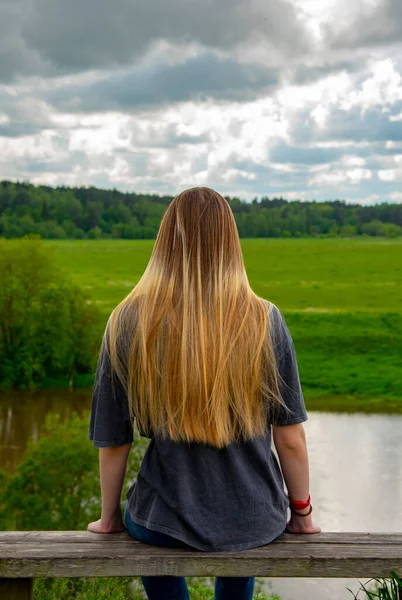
(342, 300)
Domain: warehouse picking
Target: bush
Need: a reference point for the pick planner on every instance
(79, 234)
(42, 495)
(56, 487)
(94, 233)
(48, 326)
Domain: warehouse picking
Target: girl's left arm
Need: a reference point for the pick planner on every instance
(112, 468)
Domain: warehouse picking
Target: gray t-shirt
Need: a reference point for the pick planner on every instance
(212, 499)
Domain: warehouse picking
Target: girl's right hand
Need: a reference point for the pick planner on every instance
(302, 524)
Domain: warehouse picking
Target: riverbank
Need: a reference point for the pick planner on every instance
(348, 362)
(349, 354)
(351, 403)
(315, 399)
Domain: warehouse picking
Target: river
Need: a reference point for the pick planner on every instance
(355, 465)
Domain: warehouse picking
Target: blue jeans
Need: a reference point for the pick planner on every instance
(175, 588)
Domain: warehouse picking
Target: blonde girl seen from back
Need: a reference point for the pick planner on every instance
(207, 370)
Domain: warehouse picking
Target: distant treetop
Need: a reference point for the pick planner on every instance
(89, 212)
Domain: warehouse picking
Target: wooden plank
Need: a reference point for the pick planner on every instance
(139, 550)
(10, 537)
(305, 556)
(16, 589)
(208, 567)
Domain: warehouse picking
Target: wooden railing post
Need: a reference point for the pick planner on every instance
(16, 589)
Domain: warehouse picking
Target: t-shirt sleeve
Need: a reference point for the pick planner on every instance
(289, 380)
(110, 422)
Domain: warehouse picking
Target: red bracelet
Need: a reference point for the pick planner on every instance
(299, 504)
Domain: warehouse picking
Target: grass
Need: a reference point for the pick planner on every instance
(120, 588)
(308, 275)
(342, 300)
(385, 589)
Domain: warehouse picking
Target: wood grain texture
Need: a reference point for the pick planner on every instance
(87, 537)
(84, 554)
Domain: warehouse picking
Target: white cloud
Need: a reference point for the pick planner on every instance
(40, 147)
(383, 88)
(264, 99)
(387, 174)
(353, 161)
(336, 177)
(320, 114)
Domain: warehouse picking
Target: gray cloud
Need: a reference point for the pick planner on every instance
(139, 58)
(378, 25)
(16, 58)
(270, 182)
(376, 155)
(284, 153)
(198, 78)
(304, 74)
(26, 115)
(161, 136)
(49, 166)
(372, 125)
(54, 36)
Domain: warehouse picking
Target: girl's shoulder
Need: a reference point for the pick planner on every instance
(279, 331)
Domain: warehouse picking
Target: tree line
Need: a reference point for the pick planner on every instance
(89, 212)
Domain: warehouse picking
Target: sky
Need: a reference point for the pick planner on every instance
(298, 98)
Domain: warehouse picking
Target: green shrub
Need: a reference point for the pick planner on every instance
(48, 327)
(56, 485)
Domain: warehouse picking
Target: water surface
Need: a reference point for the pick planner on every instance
(355, 466)
(22, 415)
(356, 485)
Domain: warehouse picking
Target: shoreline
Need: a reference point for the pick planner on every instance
(316, 400)
(350, 404)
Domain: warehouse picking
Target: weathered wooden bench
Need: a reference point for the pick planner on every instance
(26, 555)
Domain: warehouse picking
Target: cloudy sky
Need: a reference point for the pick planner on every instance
(301, 98)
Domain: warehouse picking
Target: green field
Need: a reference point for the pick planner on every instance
(342, 300)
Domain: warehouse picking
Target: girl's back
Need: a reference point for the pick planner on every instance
(208, 372)
(211, 498)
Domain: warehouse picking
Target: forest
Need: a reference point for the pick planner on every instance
(92, 213)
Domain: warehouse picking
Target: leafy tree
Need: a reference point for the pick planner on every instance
(95, 233)
(79, 234)
(348, 230)
(48, 326)
(372, 228)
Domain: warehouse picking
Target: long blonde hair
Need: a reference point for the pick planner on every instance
(191, 342)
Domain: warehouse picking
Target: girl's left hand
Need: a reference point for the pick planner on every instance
(114, 526)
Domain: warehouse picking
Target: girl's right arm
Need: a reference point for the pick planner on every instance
(290, 444)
